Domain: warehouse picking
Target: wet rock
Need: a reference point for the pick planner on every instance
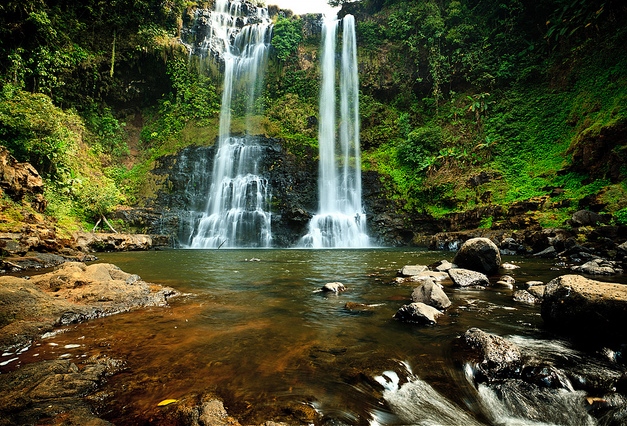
(547, 253)
(53, 391)
(479, 254)
(428, 276)
(577, 305)
(201, 410)
(467, 278)
(418, 313)
(598, 267)
(334, 287)
(506, 281)
(411, 270)
(523, 296)
(431, 294)
(443, 266)
(74, 292)
(537, 291)
(494, 356)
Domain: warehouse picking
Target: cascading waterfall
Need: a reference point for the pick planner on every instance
(340, 221)
(238, 208)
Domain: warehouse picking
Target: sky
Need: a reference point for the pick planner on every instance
(300, 7)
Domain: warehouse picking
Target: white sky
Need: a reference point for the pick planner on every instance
(300, 7)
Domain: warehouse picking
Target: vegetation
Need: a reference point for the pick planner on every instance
(519, 91)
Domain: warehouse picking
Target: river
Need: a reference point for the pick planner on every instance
(255, 329)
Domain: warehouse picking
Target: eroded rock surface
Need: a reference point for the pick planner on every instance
(74, 292)
(576, 305)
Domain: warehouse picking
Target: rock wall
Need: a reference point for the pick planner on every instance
(184, 181)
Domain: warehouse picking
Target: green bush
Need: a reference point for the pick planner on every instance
(36, 131)
(286, 36)
(420, 147)
(620, 217)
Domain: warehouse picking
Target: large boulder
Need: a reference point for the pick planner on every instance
(89, 242)
(586, 218)
(576, 305)
(19, 180)
(431, 294)
(419, 313)
(72, 293)
(479, 254)
(468, 278)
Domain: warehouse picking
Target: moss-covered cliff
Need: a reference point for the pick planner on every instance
(465, 106)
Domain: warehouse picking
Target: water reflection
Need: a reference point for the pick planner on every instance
(255, 330)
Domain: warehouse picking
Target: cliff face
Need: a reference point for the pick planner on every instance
(184, 183)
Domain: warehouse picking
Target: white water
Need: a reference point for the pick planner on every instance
(238, 208)
(340, 221)
(418, 403)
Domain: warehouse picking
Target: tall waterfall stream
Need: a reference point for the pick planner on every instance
(340, 221)
(237, 212)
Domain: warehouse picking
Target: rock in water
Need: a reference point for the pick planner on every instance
(419, 313)
(431, 294)
(411, 270)
(467, 278)
(334, 287)
(479, 254)
(575, 305)
(495, 356)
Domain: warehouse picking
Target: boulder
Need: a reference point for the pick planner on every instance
(507, 281)
(494, 356)
(334, 287)
(443, 266)
(547, 253)
(53, 392)
(429, 276)
(411, 270)
(431, 294)
(537, 291)
(72, 293)
(467, 278)
(89, 242)
(575, 305)
(479, 254)
(586, 218)
(419, 313)
(524, 296)
(19, 180)
(597, 267)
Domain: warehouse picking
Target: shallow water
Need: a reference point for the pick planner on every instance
(256, 330)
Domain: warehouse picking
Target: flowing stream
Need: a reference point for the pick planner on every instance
(256, 330)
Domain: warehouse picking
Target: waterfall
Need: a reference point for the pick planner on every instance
(340, 221)
(237, 212)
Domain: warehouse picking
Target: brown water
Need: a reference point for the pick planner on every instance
(261, 335)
